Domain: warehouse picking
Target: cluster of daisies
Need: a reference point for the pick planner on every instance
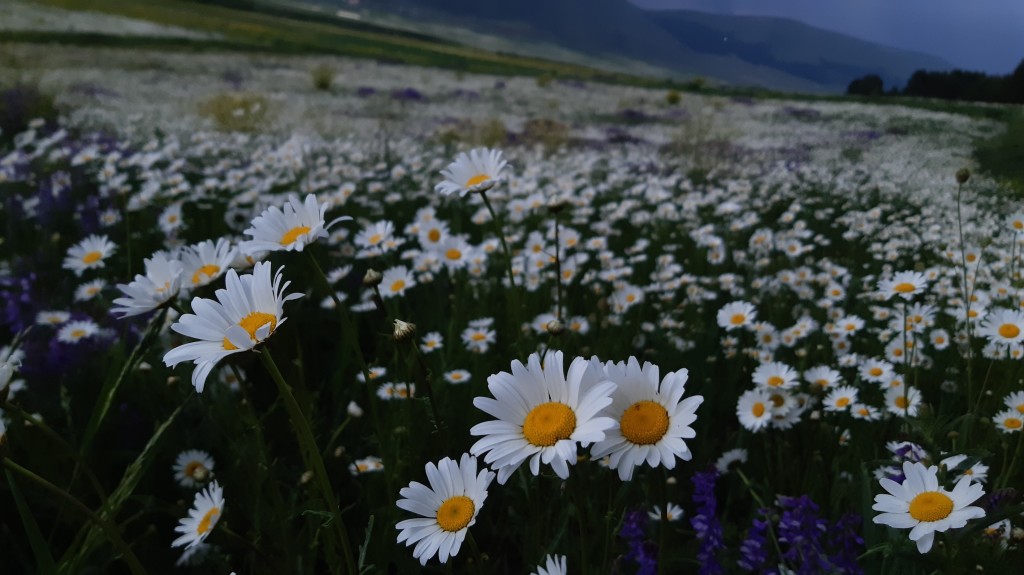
(625, 412)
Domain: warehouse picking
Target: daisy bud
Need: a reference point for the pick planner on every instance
(306, 477)
(555, 327)
(404, 331)
(354, 410)
(372, 278)
(962, 175)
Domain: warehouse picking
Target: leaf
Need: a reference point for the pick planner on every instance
(89, 537)
(44, 561)
(324, 515)
(363, 567)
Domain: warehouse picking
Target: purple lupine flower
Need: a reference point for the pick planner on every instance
(847, 544)
(641, 551)
(753, 551)
(800, 533)
(705, 522)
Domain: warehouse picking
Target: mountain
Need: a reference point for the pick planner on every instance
(739, 50)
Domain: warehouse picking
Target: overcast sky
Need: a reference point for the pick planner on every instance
(985, 35)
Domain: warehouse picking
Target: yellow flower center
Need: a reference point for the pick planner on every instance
(738, 319)
(875, 372)
(758, 409)
(398, 286)
(1018, 225)
(78, 333)
(455, 513)
(778, 400)
(775, 381)
(456, 376)
(252, 322)
(931, 506)
(434, 235)
(477, 179)
(1009, 330)
(902, 402)
(644, 423)
(194, 468)
(631, 298)
(864, 412)
(549, 423)
(1012, 423)
(905, 287)
(92, 257)
(293, 234)
(453, 254)
(1020, 408)
(842, 402)
(208, 520)
(478, 336)
(209, 270)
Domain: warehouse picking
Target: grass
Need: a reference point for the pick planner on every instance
(1002, 156)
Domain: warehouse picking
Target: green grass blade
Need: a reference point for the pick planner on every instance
(44, 561)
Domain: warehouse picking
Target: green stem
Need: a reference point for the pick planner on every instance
(1005, 480)
(478, 558)
(501, 235)
(760, 503)
(109, 529)
(311, 455)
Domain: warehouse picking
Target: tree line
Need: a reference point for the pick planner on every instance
(952, 85)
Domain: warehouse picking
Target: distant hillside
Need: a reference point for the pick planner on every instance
(768, 52)
(826, 58)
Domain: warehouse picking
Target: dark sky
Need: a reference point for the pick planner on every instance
(986, 35)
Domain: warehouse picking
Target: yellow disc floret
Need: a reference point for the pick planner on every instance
(549, 423)
(455, 513)
(931, 506)
(644, 423)
(293, 234)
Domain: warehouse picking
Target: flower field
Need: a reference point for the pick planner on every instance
(421, 321)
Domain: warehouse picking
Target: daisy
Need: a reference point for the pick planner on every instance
(170, 219)
(369, 464)
(206, 511)
(1015, 401)
(865, 412)
(903, 284)
(448, 508)
(876, 370)
(735, 315)
(675, 513)
(542, 414)
(291, 229)
(206, 261)
(1003, 326)
(75, 331)
(395, 281)
(653, 418)
(151, 291)
(89, 290)
(841, 398)
(88, 254)
(977, 471)
(1009, 421)
(553, 565)
(246, 313)
(775, 375)
(754, 409)
(822, 376)
(52, 317)
(193, 468)
(477, 171)
(478, 339)
(375, 239)
(921, 505)
(730, 459)
(457, 376)
(903, 402)
(431, 341)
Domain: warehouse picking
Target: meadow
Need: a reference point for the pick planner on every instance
(535, 323)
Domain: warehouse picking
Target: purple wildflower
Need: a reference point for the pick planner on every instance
(705, 522)
(753, 550)
(644, 553)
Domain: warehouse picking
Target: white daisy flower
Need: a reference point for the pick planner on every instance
(206, 511)
(192, 468)
(1009, 421)
(75, 331)
(730, 459)
(245, 314)
(369, 464)
(148, 292)
(291, 229)
(903, 402)
(52, 317)
(921, 505)
(553, 565)
(395, 281)
(457, 376)
(903, 284)
(1003, 326)
(840, 398)
(675, 513)
(89, 290)
(653, 420)
(477, 171)
(754, 409)
(89, 253)
(542, 414)
(206, 261)
(448, 507)
(431, 341)
(775, 375)
(735, 315)
(822, 376)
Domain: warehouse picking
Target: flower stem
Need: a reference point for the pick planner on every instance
(109, 529)
(311, 455)
(501, 235)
